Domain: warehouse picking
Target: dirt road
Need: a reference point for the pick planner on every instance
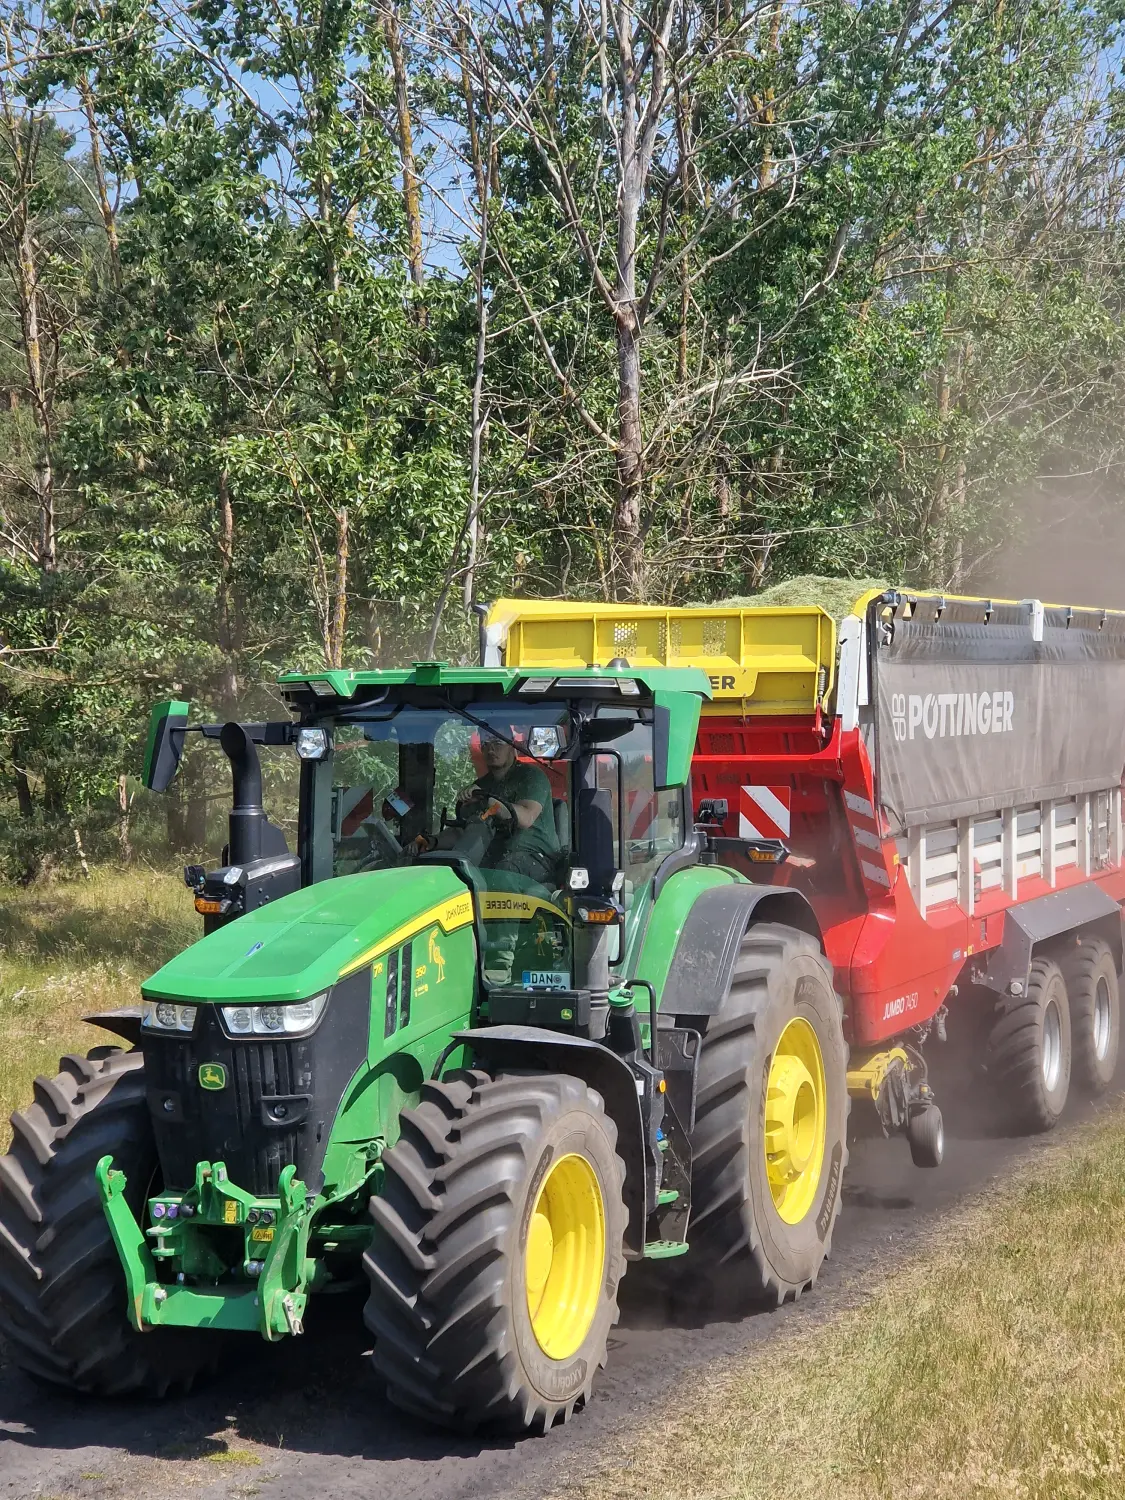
(304, 1420)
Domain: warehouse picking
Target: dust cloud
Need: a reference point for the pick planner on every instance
(1065, 546)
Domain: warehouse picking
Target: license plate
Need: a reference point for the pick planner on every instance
(545, 979)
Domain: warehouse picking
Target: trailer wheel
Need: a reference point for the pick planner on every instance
(770, 1139)
(925, 1133)
(1090, 971)
(62, 1288)
(497, 1251)
(1030, 1049)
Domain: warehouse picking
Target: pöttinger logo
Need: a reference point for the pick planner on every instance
(942, 716)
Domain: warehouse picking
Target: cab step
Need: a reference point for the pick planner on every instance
(665, 1249)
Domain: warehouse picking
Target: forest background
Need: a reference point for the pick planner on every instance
(323, 320)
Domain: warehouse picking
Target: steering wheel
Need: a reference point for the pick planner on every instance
(385, 848)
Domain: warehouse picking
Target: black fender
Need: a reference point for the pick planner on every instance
(1040, 923)
(125, 1023)
(700, 973)
(511, 1048)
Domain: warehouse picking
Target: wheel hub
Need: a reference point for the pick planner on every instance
(564, 1258)
(1052, 1046)
(796, 1120)
(790, 1120)
(1102, 1021)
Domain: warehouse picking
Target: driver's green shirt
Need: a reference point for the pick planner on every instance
(524, 783)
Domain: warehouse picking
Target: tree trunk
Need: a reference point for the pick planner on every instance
(228, 628)
(549, 54)
(722, 483)
(628, 570)
(24, 800)
(468, 592)
(767, 112)
(108, 217)
(476, 436)
(338, 618)
(28, 293)
(410, 197)
(125, 848)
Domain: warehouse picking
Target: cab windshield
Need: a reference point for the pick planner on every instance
(486, 788)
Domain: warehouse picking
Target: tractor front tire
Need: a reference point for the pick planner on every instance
(62, 1288)
(1030, 1050)
(1090, 971)
(497, 1251)
(770, 1140)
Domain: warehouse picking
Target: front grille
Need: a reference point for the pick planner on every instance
(236, 1124)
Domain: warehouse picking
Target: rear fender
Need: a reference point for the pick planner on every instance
(700, 973)
(528, 1047)
(1040, 925)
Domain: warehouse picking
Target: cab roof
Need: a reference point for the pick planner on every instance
(566, 682)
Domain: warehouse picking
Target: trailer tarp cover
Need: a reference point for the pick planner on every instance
(972, 713)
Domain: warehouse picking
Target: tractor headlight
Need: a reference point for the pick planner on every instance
(312, 744)
(274, 1020)
(165, 1015)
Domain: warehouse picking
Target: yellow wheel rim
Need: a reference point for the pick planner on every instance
(796, 1120)
(564, 1263)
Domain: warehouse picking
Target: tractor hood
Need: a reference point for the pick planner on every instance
(303, 943)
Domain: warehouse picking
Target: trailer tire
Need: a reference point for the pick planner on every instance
(477, 1319)
(1090, 971)
(1030, 1050)
(745, 1229)
(62, 1288)
(925, 1134)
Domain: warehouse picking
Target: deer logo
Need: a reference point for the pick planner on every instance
(437, 957)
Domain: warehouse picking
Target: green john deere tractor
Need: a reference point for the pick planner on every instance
(509, 1018)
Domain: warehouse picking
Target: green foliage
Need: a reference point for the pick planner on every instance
(878, 281)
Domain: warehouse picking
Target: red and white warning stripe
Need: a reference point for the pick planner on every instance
(865, 828)
(355, 804)
(764, 812)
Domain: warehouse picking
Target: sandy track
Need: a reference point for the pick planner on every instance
(305, 1419)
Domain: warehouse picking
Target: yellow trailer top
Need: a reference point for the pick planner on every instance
(760, 661)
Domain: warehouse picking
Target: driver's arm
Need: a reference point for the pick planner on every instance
(526, 812)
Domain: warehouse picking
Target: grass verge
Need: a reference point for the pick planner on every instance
(74, 947)
(991, 1364)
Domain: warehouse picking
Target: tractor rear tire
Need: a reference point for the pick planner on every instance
(497, 1251)
(754, 1234)
(62, 1288)
(1090, 971)
(1030, 1050)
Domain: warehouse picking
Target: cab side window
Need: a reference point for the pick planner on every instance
(651, 822)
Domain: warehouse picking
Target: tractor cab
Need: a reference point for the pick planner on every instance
(555, 799)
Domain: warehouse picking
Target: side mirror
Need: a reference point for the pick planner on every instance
(165, 744)
(675, 723)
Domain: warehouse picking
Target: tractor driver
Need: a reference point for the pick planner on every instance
(518, 802)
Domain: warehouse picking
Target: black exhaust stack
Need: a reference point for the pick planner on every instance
(247, 815)
(257, 864)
